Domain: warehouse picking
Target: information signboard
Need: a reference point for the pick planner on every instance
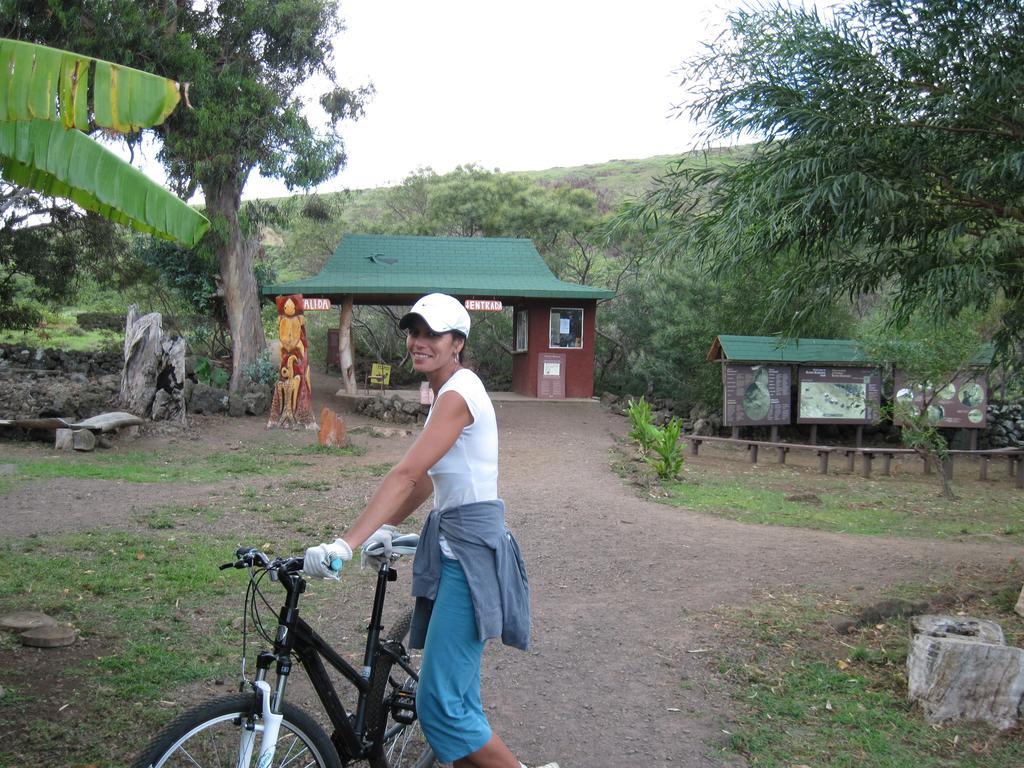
(834, 395)
(756, 395)
(963, 403)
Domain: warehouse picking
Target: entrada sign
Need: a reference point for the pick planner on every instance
(483, 305)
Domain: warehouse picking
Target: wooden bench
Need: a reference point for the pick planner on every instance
(1014, 456)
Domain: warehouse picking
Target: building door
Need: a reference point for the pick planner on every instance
(551, 376)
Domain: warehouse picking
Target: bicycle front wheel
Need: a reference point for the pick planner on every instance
(210, 735)
(402, 744)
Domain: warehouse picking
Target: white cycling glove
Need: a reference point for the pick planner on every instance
(324, 561)
(382, 536)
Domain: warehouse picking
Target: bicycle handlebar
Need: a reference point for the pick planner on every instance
(247, 557)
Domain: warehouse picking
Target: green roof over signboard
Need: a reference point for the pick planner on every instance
(394, 269)
(777, 349)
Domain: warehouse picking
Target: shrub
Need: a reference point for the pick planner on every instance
(106, 321)
(642, 429)
(658, 445)
(210, 374)
(262, 371)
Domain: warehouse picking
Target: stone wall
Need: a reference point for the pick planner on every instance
(1005, 426)
(392, 410)
(76, 385)
(54, 382)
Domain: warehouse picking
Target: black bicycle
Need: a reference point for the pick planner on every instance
(259, 728)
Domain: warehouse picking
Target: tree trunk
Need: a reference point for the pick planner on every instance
(236, 254)
(345, 356)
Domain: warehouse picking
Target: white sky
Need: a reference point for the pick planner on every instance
(514, 86)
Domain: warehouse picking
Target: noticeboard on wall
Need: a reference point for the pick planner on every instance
(756, 395)
(838, 395)
(962, 403)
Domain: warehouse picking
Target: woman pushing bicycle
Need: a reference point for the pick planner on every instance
(469, 579)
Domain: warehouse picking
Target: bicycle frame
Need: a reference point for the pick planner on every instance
(296, 638)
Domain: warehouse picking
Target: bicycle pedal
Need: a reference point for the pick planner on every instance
(403, 704)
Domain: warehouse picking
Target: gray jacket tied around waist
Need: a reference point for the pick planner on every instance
(494, 568)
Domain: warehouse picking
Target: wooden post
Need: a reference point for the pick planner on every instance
(1010, 459)
(974, 439)
(947, 467)
(752, 447)
(860, 435)
(851, 456)
(823, 462)
(866, 463)
(814, 434)
(694, 446)
(887, 464)
(346, 360)
(775, 433)
(983, 467)
(927, 465)
(735, 433)
(782, 454)
(1020, 472)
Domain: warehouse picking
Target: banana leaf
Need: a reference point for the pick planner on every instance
(44, 109)
(60, 163)
(41, 83)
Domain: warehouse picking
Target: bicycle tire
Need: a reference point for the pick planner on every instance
(209, 734)
(407, 748)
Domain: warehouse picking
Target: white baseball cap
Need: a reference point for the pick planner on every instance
(441, 312)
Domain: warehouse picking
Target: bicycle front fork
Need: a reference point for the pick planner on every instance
(269, 723)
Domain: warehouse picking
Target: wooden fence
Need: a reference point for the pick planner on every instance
(1014, 456)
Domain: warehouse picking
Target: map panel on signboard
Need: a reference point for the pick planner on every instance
(839, 395)
(962, 403)
(756, 395)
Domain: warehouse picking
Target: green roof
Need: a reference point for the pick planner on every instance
(398, 268)
(772, 349)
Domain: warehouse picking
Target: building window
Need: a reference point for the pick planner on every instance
(566, 329)
(522, 330)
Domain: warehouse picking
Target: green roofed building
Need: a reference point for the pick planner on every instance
(553, 321)
(773, 349)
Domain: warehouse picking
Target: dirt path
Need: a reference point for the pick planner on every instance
(622, 586)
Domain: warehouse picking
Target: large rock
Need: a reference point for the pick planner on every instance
(332, 429)
(961, 669)
(208, 400)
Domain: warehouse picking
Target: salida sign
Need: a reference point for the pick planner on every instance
(313, 305)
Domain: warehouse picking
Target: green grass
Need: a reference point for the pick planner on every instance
(135, 466)
(156, 617)
(909, 507)
(807, 696)
(64, 334)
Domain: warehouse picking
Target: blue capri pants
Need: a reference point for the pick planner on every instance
(448, 696)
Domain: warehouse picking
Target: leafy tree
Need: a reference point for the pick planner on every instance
(892, 155)
(932, 356)
(41, 245)
(245, 61)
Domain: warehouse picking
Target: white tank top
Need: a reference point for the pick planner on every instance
(469, 471)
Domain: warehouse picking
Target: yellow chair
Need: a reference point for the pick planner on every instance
(380, 376)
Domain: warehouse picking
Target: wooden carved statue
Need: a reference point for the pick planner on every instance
(293, 393)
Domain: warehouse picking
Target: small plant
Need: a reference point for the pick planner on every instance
(668, 455)
(210, 374)
(658, 445)
(262, 370)
(642, 429)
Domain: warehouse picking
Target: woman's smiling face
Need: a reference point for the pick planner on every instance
(430, 351)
